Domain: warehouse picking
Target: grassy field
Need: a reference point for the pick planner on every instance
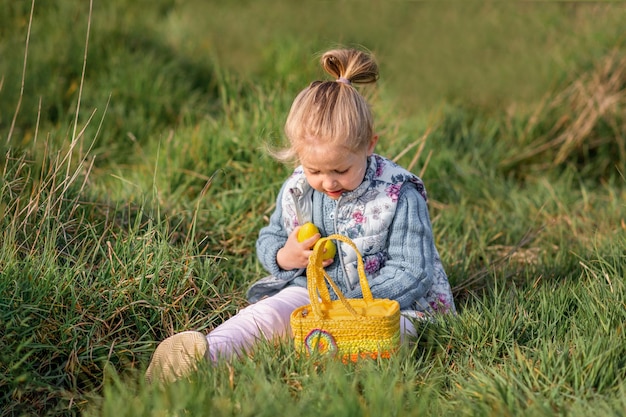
(134, 185)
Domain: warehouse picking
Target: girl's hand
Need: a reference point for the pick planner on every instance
(295, 255)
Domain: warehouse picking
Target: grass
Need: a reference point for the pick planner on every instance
(132, 194)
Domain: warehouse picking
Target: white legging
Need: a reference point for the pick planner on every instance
(265, 320)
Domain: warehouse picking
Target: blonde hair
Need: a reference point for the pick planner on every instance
(332, 111)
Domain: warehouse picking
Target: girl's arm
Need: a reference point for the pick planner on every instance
(272, 238)
(408, 273)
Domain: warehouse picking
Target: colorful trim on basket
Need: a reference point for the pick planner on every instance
(320, 341)
(354, 357)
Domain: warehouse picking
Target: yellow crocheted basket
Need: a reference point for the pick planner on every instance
(346, 328)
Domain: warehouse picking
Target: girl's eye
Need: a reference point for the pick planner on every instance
(342, 172)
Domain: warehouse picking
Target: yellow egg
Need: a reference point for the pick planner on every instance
(331, 249)
(307, 231)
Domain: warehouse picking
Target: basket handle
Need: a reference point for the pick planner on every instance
(317, 276)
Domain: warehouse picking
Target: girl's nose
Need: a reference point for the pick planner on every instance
(329, 183)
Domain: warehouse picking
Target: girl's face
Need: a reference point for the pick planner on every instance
(332, 169)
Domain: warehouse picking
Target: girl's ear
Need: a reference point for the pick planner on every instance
(372, 145)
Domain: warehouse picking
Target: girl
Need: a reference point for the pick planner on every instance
(342, 187)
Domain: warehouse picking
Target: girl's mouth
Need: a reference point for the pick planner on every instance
(334, 194)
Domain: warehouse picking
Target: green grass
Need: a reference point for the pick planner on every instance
(140, 220)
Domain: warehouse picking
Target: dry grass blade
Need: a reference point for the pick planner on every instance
(474, 281)
(82, 76)
(19, 99)
(594, 98)
(421, 142)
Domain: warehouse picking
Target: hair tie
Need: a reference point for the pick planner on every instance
(344, 80)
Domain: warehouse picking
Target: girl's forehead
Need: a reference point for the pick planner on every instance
(326, 155)
(311, 147)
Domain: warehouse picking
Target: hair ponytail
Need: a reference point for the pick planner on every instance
(350, 64)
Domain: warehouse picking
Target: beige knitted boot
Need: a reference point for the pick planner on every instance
(177, 356)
